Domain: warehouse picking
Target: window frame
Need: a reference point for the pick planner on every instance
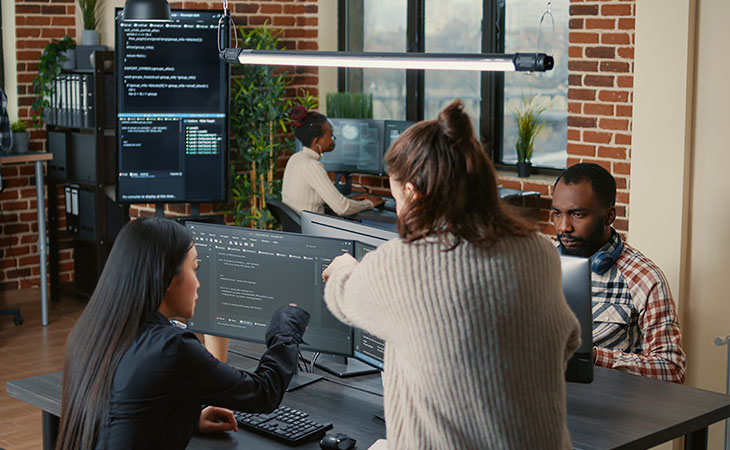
(491, 107)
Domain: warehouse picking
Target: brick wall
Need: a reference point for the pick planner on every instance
(599, 104)
(600, 99)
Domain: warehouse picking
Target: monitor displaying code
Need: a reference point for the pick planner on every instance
(172, 110)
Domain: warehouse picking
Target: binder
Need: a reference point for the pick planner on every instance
(72, 217)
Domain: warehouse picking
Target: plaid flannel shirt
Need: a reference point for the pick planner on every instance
(5, 137)
(635, 324)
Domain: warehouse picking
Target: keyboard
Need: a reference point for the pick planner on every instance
(285, 424)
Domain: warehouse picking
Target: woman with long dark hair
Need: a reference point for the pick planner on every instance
(306, 185)
(468, 300)
(132, 380)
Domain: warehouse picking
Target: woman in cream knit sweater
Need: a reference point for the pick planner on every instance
(469, 302)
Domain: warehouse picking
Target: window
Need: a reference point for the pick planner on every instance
(460, 26)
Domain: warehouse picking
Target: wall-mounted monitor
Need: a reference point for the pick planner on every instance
(172, 109)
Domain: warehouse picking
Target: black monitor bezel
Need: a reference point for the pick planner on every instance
(304, 346)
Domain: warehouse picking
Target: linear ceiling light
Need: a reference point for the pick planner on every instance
(147, 10)
(498, 62)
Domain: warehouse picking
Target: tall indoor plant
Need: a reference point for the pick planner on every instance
(259, 129)
(527, 115)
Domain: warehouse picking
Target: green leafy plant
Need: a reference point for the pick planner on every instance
(350, 105)
(527, 115)
(17, 126)
(259, 128)
(49, 67)
(88, 12)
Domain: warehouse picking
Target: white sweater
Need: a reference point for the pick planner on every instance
(306, 187)
(477, 341)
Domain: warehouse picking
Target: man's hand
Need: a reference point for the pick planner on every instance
(343, 260)
(213, 418)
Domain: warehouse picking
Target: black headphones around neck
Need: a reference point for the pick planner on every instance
(601, 261)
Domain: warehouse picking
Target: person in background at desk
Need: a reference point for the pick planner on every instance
(306, 185)
(132, 380)
(635, 325)
(469, 302)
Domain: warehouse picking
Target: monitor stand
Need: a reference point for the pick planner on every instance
(340, 366)
(301, 379)
(194, 215)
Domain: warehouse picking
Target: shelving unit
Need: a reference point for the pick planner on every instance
(81, 137)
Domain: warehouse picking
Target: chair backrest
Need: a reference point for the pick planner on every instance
(287, 217)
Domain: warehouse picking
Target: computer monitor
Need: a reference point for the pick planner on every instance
(366, 347)
(172, 109)
(392, 129)
(314, 224)
(358, 147)
(246, 274)
(576, 274)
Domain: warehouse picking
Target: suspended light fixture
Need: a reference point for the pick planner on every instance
(500, 62)
(146, 10)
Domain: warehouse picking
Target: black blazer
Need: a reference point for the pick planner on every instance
(166, 376)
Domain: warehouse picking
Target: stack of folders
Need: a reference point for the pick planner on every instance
(72, 101)
(72, 209)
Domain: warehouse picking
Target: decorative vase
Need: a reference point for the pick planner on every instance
(89, 37)
(20, 142)
(70, 63)
(523, 169)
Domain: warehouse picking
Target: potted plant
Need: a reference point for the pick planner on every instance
(527, 115)
(89, 35)
(20, 137)
(49, 66)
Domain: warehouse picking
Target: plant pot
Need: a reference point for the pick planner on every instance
(89, 37)
(70, 63)
(524, 169)
(20, 142)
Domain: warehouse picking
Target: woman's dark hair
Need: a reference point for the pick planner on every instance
(307, 124)
(455, 180)
(146, 256)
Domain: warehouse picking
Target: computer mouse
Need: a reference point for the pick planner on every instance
(338, 441)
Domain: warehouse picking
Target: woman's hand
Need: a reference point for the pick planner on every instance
(213, 418)
(343, 260)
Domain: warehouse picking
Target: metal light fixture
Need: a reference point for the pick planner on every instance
(500, 62)
(146, 10)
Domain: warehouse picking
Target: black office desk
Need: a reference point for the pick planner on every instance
(616, 411)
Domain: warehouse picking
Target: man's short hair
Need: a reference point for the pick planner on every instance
(602, 182)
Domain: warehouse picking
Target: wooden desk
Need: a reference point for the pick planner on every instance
(616, 411)
(38, 159)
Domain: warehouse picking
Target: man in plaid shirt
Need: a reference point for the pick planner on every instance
(635, 324)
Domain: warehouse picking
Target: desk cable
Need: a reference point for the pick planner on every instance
(324, 377)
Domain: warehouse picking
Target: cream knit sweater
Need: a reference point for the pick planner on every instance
(306, 187)
(476, 341)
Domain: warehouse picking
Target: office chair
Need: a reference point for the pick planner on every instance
(15, 312)
(287, 217)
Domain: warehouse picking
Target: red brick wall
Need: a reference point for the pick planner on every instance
(599, 103)
(600, 99)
